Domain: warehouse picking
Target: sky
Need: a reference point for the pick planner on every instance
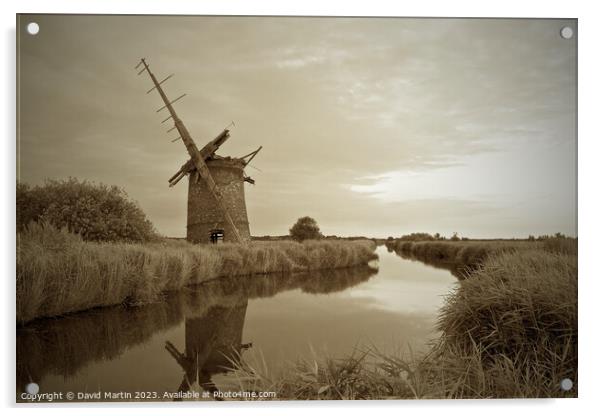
(372, 126)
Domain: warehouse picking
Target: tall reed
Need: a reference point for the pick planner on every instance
(510, 329)
(59, 273)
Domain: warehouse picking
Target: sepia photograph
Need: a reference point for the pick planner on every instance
(289, 208)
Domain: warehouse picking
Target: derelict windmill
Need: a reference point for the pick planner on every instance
(216, 196)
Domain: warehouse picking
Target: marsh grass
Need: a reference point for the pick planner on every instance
(460, 255)
(59, 273)
(508, 330)
(356, 377)
(467, 255)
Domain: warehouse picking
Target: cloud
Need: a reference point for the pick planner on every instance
(363, 121)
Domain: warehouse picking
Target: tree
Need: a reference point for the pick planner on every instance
(306, 228)
(455, 237)
(95, 211)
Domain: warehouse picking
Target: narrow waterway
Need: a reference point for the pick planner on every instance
(183, 342)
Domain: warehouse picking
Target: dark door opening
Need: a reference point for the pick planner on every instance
(217, 236)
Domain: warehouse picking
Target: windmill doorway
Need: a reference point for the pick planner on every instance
(216, 237)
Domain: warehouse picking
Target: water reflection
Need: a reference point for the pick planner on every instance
(65, 345)
(456, 269)
(212, 340)
(213, 314)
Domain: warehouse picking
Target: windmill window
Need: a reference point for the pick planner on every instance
(217, 236)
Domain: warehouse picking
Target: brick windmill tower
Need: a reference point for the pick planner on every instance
(216, 195)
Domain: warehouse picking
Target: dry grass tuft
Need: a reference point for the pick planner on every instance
(510, 329)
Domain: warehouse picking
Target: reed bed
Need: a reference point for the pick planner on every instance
(508, 330)
(467, 254)
(59, 273)
(464, 256)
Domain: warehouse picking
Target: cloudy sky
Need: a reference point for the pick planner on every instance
(374, 127)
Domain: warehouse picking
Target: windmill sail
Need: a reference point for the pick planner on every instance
(195, 155)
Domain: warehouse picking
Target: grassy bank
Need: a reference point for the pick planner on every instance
(464, 256)
(508, 330)
(59, 273)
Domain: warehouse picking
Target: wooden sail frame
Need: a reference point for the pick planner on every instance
(196, 156)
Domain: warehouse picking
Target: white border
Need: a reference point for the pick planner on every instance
(590, 209)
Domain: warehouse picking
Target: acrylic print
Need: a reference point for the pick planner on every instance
(290, 208)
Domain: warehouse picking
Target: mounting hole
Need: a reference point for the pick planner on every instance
(566, 32)
(33, 28)
(32, 388)
(566, 384)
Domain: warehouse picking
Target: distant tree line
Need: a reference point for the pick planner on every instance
(428, 237)
(455, 237)
(546, 237)
(97, 212)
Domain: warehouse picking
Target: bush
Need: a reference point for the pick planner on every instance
(306, 228)
(96, 212)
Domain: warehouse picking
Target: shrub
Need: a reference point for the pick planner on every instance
(95, 211)
(306, 228)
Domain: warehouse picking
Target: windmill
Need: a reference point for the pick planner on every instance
(216, 201)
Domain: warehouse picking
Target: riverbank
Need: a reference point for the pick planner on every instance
(509, 330)
(59, 273)
(461, 257)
